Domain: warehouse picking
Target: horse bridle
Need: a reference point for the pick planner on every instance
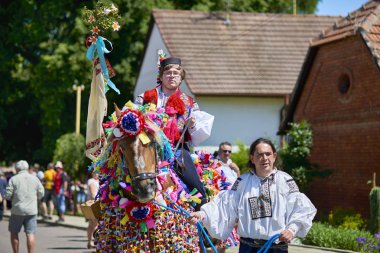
(144, 176)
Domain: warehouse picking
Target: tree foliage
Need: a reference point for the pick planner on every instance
(293, 157)
(70, 150)
(42, 50)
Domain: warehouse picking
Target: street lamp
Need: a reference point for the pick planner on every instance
(78, 89)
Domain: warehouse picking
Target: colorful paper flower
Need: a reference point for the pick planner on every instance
(115, 26)
(92, 39)
(95, 30)
(131, 122)
(91, 19)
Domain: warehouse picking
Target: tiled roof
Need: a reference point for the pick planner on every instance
(256, 54)
(365, 20)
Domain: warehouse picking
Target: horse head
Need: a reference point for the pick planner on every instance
(139, 148)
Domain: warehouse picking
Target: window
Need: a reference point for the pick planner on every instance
(344, 84)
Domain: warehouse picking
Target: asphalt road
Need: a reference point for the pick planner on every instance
(49, 239)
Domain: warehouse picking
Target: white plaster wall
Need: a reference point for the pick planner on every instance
(236, 118)
(148, 72)
(239, 118)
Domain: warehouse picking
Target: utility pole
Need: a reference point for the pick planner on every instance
(294, 7)
(78, 89)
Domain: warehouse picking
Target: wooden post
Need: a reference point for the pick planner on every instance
(374, 180)
(78, 89)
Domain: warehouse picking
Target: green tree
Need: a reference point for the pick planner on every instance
(293, 157)
(70, 150)
(42, 52)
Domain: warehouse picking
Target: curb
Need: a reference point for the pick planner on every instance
(322, 248)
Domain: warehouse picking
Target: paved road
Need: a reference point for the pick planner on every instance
(49, 239)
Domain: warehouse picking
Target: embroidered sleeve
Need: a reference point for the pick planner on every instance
(292, 185)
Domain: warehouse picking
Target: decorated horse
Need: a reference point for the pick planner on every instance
(143, 201)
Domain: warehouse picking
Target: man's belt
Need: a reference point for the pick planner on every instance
(255, 243)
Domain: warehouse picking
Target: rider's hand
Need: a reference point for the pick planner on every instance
(286, 236)
(196, 216)
(191, 122)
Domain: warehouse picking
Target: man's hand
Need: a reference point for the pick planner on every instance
(235, 168)
(191, 122)
(196, 216)
(286, 236)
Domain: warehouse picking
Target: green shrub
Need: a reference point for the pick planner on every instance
(324, 235)
(241, 157)
(70, 149)
(346, 218)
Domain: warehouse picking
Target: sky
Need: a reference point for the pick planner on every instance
(338, 7)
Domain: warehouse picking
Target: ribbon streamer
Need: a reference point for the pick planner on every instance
(101, 49)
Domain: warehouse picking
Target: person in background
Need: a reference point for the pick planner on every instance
(263, 202)
(93, 187)
(3, 186)
(23, 190)
(81, 192)
(47, 204)
(230, 169)
(60, 190)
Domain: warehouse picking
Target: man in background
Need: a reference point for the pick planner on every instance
(48, 200)
(3, 185)
(23, 190)
(60, 190)
(230, 169)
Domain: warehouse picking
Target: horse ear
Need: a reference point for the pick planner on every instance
(117, 110)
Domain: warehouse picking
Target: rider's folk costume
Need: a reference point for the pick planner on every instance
(180, 107)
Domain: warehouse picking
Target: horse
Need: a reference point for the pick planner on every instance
(142, 199)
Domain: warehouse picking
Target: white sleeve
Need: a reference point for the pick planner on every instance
(202, 129)
(140, 99)
(221, 214)
(300, 213)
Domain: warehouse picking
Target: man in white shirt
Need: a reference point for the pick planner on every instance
(24, 189)
(230, 169)
(264, 202)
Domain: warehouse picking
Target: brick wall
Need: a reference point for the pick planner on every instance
(346, 126)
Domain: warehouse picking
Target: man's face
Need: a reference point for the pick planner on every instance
(263, 158)
(225, 153)
(171, 78)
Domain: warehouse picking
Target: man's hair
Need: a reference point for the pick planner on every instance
(169, 66)
(224, 143)
(22, 165)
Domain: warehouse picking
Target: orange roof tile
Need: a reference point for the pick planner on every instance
(256, 54)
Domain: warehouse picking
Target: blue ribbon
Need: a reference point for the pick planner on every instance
(101, 49)
(267, 245)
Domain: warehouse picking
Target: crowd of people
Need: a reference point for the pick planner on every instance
(33, 192)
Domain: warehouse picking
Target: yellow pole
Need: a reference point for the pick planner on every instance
(294, 7)
(78, 89)
(374, 179)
